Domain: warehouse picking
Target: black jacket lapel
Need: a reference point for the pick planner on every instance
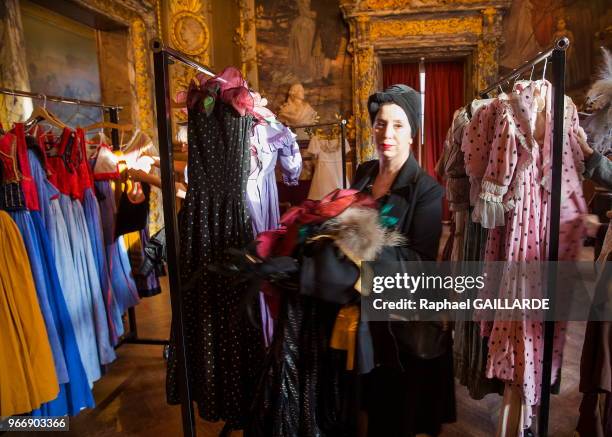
(402, 192)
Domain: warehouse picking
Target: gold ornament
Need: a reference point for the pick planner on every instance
(374, 5)
(486, 63)
(400, 28)
(190, 33)
(248, 54)
(365, 84)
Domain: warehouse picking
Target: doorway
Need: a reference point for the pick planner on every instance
(442, 88)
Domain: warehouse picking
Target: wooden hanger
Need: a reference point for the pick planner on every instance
(108, 125)
(41, 113)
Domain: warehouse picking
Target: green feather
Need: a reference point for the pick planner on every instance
(385, 209)
(209, 104)
(385, 219)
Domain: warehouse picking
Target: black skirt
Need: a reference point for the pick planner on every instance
(418, 399)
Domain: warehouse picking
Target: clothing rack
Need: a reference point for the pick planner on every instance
(557, 55)
(162, 57)
(131, 336)
(342, 124)
(113, 110)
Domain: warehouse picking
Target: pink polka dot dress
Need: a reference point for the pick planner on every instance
(514, 203)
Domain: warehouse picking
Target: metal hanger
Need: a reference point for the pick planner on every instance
(545, 64)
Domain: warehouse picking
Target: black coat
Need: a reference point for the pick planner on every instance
(424, 228)
(416, 200)
(304, 388)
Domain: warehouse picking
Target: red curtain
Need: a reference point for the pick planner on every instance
(408, 74)
(443, 96)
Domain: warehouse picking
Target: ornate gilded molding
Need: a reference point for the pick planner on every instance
(396, 5)
(188, 29)
(158, 17)
(245, 38)
(390, 29)
(489, 18)
(399, 28)
(140, 19)
(189, 33)
(364, 76)
(486, 63)
(486, 59)
(142, 84)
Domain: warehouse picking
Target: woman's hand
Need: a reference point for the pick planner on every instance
(180, 190)
(138, 175)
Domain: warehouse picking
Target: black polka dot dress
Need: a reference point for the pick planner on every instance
(224, 351)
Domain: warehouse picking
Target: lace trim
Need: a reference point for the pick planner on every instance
(495, 194)
(492, 191)
(521, 166)
(490, 209)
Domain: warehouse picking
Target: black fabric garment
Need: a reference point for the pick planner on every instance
(132, 217)
(405, 395)
(154, 255)
(470, 348)
(417, 400)
(299, 393)
(422, 227)
(224, 351)
(147, 284)
(327, 274)
(305, 389)
(596, 364)
(12, 197)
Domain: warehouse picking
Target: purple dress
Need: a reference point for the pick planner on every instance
(270, 143)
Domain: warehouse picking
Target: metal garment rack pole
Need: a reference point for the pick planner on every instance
(131, 337)
(58, 99)
(561, 44)
(342, 124)
(558, 102)
(557, 52)
(161, 58)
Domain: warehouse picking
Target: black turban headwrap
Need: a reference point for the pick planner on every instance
(403, 96)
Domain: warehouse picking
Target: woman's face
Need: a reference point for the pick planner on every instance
(392, 133)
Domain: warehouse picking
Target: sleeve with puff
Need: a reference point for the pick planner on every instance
(504, 154)
(291, 162)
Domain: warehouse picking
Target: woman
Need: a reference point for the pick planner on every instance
(305, 389)
(404, 394)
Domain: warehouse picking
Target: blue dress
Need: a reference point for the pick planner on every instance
(89, 312)
(94, 225)
(75, 393)
(126, 292)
